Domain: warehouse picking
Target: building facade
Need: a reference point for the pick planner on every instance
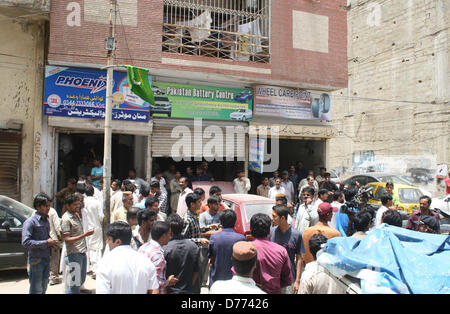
(200, 49)
(24, 32)
(396, 107)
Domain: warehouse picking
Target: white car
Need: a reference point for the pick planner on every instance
(334, 177)
(442, 206)
(442, 203)
(241, 115)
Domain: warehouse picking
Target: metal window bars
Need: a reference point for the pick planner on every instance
(228, 29)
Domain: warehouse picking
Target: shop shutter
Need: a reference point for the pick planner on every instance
(10, 153)
(162, 141)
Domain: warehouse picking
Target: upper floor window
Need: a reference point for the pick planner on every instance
(227, 29)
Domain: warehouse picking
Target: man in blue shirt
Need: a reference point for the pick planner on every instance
(200, 175)
(291, 240)
(36, 238)
(342, 219)
(221, 247)
(97, 173)
(210, 219)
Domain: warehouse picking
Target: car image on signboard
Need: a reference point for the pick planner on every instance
(162, 105)
(244, 96)
(158, 90)
(241, 115)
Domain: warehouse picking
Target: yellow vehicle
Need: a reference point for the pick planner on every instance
(408, 195)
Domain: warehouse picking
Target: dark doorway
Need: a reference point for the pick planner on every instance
(75, 148)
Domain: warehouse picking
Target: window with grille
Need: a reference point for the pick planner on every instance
(227, 29)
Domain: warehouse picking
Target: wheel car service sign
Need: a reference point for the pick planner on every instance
(76, 92)
(206, 102)
(290, 103)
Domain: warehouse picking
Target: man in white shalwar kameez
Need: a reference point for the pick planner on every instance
(94, 216)
(116, 197)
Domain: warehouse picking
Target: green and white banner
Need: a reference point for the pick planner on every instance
(206, 102)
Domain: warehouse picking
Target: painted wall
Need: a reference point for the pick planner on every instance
(397, 100)
(21, 72)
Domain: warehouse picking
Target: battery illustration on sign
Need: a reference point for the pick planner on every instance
(290, 103)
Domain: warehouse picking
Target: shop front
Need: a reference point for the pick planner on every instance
(206, 124)
(187, 125)
(294, 126)
(74, 109)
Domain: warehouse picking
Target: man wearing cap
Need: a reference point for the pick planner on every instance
(325, 212)
(425, 203)
(243, 259)
(288, 186)
(427, 224)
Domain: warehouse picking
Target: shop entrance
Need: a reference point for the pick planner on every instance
(76, 151)
(220, 170)
(310, 152)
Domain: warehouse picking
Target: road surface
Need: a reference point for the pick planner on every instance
(16, 282)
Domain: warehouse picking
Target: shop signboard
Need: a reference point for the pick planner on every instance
(442, 171)
(291, 103)
(206, 102)
(81, 93)
(256, 155)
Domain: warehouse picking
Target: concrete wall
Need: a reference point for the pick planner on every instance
(21, 73)
(20, 6)
(397, 100)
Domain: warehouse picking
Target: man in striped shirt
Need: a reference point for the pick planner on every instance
(153, 250)
(192, 231)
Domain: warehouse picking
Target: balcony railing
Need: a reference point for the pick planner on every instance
(238, 30)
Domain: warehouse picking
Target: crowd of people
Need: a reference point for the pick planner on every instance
(164, 237)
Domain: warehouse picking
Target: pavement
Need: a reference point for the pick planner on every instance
(16, 282)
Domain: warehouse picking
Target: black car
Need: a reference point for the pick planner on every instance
(12, 216)
(366, 178)
(421, 175)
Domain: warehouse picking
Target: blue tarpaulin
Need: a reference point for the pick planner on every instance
(392, 260)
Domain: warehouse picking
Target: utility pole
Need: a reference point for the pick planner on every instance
(110, 47)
